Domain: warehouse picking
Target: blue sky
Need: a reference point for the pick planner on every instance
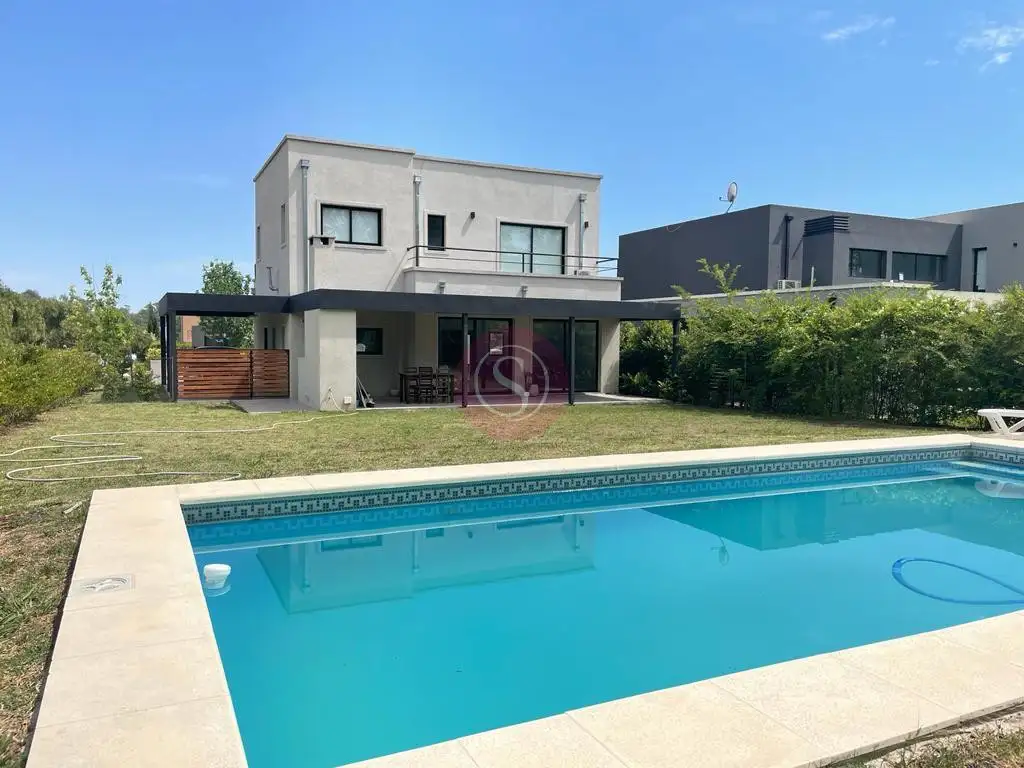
(130, 131)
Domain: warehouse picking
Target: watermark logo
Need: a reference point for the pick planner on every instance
(515, 385)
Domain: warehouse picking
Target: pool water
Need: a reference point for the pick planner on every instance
(345, 644)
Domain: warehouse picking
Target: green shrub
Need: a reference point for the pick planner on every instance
(908, 357)
(33, 379)
(645, 357)
(138, 384)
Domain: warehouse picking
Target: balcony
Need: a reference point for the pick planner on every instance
(476, 272)
(462, 271)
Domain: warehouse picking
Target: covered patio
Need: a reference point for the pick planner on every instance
(347, 348)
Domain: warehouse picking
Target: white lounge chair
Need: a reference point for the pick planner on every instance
(997, 420)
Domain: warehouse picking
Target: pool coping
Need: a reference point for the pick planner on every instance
(136, 677)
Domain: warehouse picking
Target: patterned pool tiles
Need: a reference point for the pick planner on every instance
(324, 503)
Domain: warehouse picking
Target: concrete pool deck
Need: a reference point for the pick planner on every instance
(136, 678)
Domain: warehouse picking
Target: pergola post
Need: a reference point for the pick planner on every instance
(465, 357)
(163, 352)
(172, 355)
(675, 346)
(572, 361)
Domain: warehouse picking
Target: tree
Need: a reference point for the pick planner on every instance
(97, 322)
(223, 277)
(724, 275)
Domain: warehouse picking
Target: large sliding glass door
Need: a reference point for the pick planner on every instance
(551, 349)
(586, 356)
(490, 354)
(528, 248)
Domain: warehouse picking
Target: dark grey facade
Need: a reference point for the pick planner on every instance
(971, 250)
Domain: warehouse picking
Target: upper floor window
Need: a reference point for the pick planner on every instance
(527, 248)
(924, 267)
(346, 224)
(867, 262)
(435, 232)
(284, 224)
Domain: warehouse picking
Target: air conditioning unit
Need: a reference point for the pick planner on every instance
(583, 271)
(782, 285)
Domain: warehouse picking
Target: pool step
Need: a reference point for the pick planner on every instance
(989, 470)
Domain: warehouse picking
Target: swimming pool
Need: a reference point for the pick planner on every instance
(348, 635)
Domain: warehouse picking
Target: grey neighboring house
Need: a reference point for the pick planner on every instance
(975, 250)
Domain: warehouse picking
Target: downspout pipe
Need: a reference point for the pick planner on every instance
(417, 182)
(785, 247)
(583, 228)
(304, 165)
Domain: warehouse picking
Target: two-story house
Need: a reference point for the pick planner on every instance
(373, 265)
(445, 239)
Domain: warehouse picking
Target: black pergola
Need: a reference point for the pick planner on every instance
(232, 305)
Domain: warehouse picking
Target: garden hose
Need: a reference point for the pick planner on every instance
(95, 440)
(897, 573)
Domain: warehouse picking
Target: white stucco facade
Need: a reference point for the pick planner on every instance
(307, 186)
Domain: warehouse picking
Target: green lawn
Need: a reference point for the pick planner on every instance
(984, 749)
(40, 522)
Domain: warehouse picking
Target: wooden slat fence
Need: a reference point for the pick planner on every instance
(220, 374)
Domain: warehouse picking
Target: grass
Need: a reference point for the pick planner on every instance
(40, 523)
(986, 749)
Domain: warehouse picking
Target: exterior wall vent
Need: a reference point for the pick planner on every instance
(825, 224)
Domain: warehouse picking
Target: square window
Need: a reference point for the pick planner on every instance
(528, 248)
(435, 232)
(867, 262)
(369, 341)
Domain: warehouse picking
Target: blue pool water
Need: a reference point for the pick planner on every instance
(342, 644)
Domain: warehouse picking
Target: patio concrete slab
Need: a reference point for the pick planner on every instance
(87, 687)
(553, 741)
(1002, 636)
(199, 734)
(121, 626)
(283, 486)
(822, 700)
(448, 754)
(953, 676)
(693, 725)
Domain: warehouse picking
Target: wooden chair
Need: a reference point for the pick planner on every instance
(425, 385)
(444, 384)
(411, 377)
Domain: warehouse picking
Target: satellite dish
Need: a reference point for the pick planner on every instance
(730, 195)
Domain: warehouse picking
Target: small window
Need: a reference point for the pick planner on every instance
(865, 262)
(258, 253)
(359, 226)
(921, 267)
(435, 232)
(369, 341)
(284, 223)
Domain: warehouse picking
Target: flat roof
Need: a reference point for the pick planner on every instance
(412, 152)
(212, 304)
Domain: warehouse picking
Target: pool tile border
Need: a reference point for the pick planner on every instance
(141, 532)
(317, 504)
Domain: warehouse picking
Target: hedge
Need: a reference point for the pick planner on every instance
(907, 357)
(33, 379)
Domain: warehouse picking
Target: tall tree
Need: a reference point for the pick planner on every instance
(97, 321)
(224, 277)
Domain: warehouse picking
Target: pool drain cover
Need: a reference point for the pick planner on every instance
(105, 584)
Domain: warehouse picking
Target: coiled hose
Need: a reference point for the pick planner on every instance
(897, 573)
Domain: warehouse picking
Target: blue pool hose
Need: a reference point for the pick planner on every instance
(897, 573)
